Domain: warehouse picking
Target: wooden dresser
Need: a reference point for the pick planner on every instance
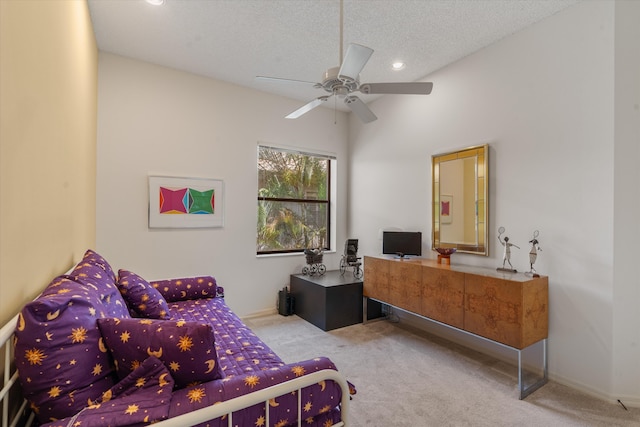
(511, 309)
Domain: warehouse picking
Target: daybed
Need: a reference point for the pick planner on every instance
(100, 349)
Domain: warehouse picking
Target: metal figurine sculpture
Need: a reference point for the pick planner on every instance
(533, 254)
(507, 252)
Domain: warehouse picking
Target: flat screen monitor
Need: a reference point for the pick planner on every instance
(402, 243)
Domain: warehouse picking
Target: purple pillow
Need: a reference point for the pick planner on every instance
(141, 296)
(189, 288)
(187, 349)
(59, 351)
(98, 260)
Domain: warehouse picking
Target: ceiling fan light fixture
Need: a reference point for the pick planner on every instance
(155, 2)
(397, 66)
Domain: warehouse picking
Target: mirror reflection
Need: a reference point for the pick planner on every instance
(460, 200)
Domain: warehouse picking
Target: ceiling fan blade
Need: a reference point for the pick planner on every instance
(360, 109)
(354, 61)
(279, 80)
(409, 88)
(307, 107)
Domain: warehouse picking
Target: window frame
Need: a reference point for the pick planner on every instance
(328, 202)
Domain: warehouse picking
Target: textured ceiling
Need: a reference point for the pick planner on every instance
(236, 40)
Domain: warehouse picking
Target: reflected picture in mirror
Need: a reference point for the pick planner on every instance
(460, 200)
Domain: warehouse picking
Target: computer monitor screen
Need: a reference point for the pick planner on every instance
(402, 243)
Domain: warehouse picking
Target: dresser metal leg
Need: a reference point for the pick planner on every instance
(526, 384)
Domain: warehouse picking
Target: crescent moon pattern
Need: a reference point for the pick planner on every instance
(54, 315)
(21, 323)
(162, 380)
(211, 363)
(101, 346)
(157, 353)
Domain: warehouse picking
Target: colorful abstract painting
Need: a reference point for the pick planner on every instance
(185, 202)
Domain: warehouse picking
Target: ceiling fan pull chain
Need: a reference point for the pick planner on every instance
(341, 28)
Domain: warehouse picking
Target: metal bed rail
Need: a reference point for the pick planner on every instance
(10, 379)
(263, 396)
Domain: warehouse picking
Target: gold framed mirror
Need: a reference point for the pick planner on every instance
(460, 197)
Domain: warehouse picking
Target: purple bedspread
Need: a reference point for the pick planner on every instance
(148, 394)
(249, 365)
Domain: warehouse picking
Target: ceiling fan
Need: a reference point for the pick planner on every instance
(342, 81)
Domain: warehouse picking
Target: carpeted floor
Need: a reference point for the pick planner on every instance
(409, 378)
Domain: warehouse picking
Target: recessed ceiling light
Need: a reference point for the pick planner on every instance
(156, 2)
(397, 66)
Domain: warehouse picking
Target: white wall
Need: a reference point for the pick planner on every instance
(626, 298)
(544, 101)
(159, 121)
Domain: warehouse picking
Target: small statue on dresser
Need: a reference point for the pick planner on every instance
(507, 252)
(533, 254)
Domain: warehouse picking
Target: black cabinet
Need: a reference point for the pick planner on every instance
(329, 301)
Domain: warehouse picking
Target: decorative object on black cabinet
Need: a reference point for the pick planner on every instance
(314, 262)
(350, 258)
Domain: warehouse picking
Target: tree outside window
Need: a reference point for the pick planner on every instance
(293, 201)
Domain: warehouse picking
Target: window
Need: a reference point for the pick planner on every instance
(293, 200)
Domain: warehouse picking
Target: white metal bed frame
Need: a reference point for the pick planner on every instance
(192, 418)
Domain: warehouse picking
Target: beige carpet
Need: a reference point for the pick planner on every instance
(409, 378)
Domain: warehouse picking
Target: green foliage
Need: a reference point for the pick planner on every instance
(289, 216)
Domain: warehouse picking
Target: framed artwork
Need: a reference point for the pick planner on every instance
(185, 202)
(446, 209)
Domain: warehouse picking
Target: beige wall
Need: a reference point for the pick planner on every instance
(48, 116)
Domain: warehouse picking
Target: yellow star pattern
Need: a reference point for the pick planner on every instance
(251, 381)
(185, 343)
(298, 371)
(97, 370)
(174, 366)
(140, 382)
(34, 356)
(54, 392)
(260, 421)
(196, 395)
(307, 407)
(131, 409)
(124, 337)
(78, 335)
